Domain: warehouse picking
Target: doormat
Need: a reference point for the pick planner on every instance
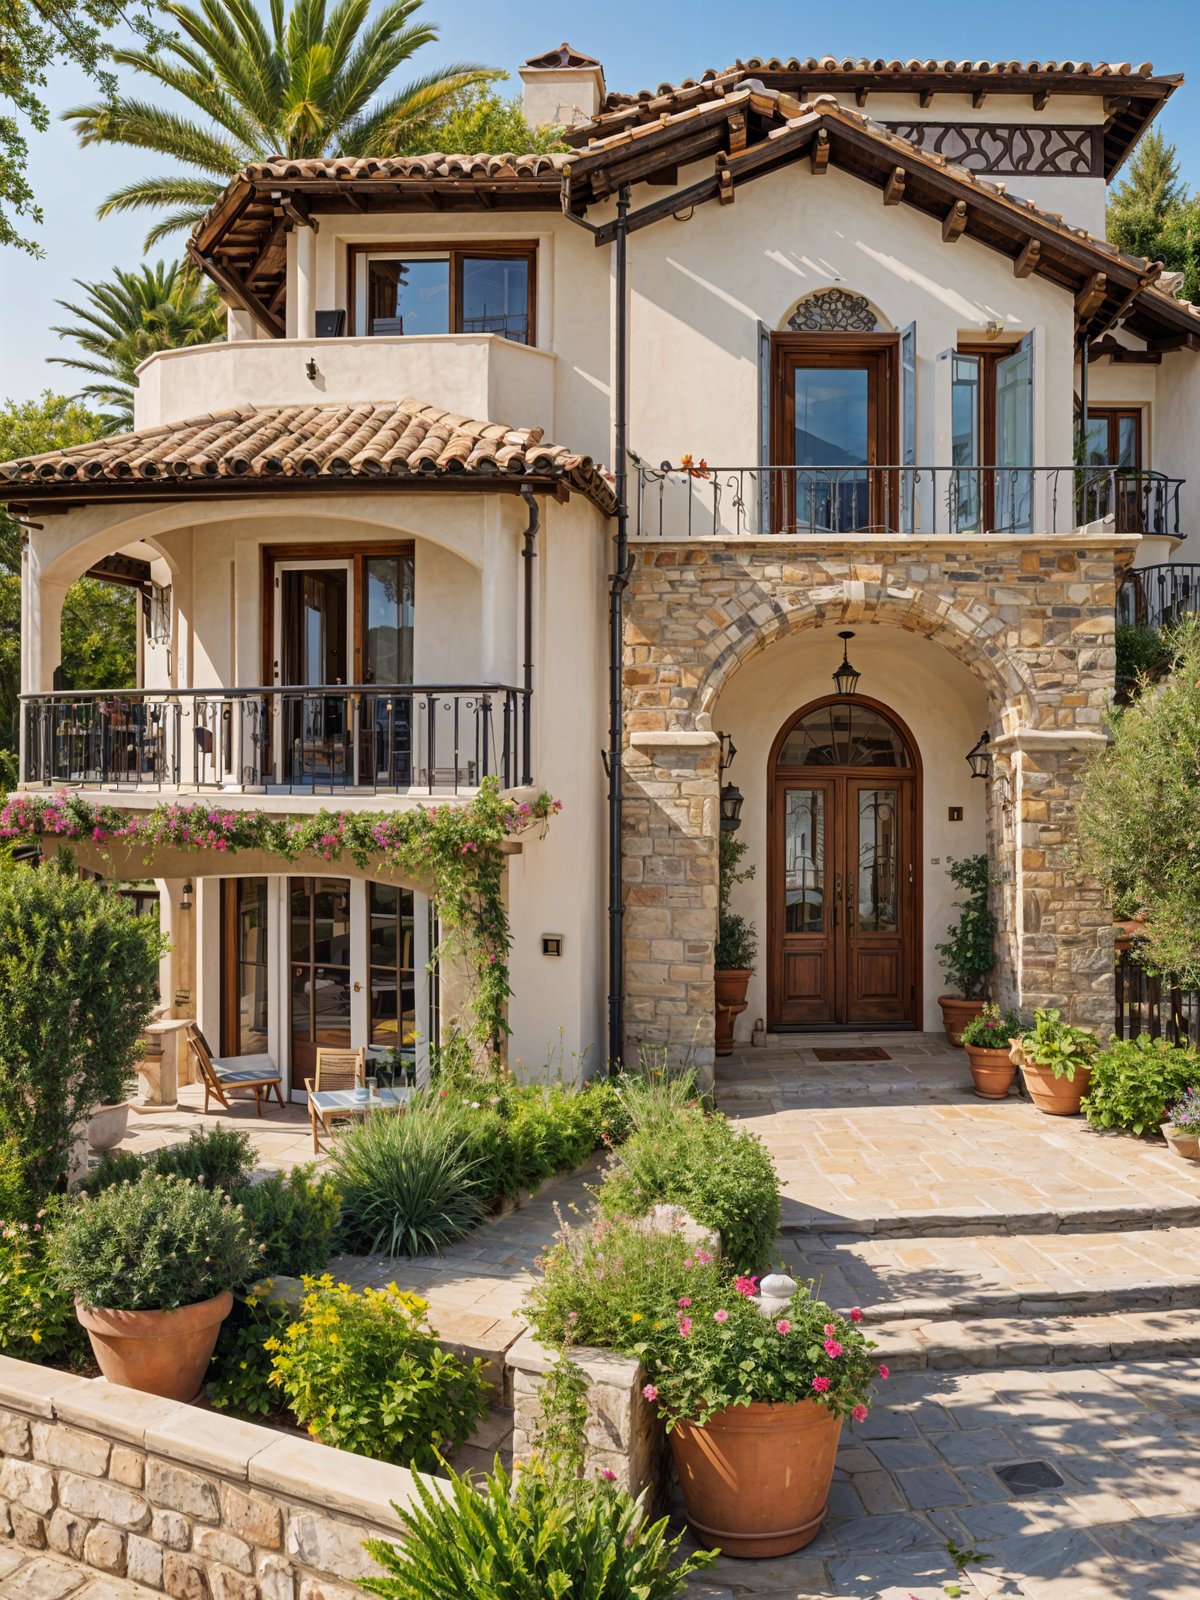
(870, 1052)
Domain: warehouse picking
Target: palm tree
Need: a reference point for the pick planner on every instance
(156, 308)
(305, 87)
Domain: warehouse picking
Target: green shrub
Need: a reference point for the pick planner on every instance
(364, 1372)
(291, 1218)
(1140, 650)
(154, 1245)
(737, 937)
(545, 1533)
(992, 1029)
(410, 1184)
(1056, 1046)
(1135, 1081)
(968, 954)
(37, 1317)
(240, 1375)
(78, 984)
(220, 1158)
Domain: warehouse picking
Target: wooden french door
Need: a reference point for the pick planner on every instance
(319, 969)
(842, 886)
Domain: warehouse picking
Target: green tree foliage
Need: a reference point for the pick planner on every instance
(128, 318)
(1151, 212)
(304, 82)
(99, 621)
(482, 119)
(78, 983)
(1141, 801)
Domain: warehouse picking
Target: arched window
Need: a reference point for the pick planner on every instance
(843, 732)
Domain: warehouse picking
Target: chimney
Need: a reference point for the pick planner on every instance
(562, 88)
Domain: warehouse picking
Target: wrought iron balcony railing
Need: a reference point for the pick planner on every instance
(699, 501)
(297, 740)
(1154, 597)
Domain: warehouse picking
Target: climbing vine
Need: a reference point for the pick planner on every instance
(456, 849)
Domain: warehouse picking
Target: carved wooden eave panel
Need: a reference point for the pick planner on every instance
(1010, 149)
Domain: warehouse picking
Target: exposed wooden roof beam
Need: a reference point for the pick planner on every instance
(725, 185)
(820, 152)
(954, 222)
(296, 208)
(231, 285)
(737, 132)
(127, 571)
(1040, 99)
(893, 189)
(978, 96)
(1091, 297)
(1028, 259)
(926, 97)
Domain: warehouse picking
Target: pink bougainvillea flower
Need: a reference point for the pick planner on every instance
(884, 1371)
(856, 1314)
(720, 1316)
(746, 1285)
(821, 1385)
(684, 1300)
(859, 1413)
(609, 1477)
(650, 1393)
(685, 1326)
(832, 1349)
(783, 1326)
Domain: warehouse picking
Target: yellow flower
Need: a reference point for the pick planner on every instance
(635, 1316)
(251, 1299)
(36, 1336)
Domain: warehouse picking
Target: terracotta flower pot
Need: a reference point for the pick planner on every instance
(1058, 1097)
(756, 1478)
(158, 1352)
(992, 1070)
(731, 985)
(956, 1013)
(106, 1126)
(1184, 1145)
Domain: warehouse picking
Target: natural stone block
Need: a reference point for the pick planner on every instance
(329, 1545)
(251, 1517)
(66, 1532)
(104, 1548)
(127, 1466)
(28, 1528)
(96, 1498)
(14, 1434)
(143, 1561)
(68, 1447)
(321, 1589)
(276, 1578)
(29, 1485)
(228, 1585)
(215, 1544)
(184, 1577)
(183, 1491)
(169, 1528)
(47, 1579)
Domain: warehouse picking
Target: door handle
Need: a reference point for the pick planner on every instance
(357, 987)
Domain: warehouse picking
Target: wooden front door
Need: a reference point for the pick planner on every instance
(842, 871)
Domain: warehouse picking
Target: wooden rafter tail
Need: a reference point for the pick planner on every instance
(820, 151)
(893, 189)
(232, 286)
(954, 222)
(1091, 297)
(1028, 259)
(725, 194)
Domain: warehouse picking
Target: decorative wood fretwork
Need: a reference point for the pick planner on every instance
(833, 311)
(1031, 149)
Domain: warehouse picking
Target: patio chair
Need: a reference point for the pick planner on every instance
(335, 1069)
(223, 1073)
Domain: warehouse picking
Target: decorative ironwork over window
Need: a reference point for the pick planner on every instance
(994, 147)
(843, 733)
(833, 311)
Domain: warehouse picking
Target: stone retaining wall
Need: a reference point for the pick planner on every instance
(187, 1501)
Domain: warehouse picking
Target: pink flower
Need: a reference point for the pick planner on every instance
(832, 1349)
(859, 1413)
(685, 1327)
(684, 1300)
(783, 1326)
(830, 1330)
(884, 1371)
(650, 1393)
(703, 1257)
(720, 1316)
(609, 1477)
(746, 1286)
(856, 1314)
(821, 1385)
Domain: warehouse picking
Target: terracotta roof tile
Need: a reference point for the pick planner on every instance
(272, 444)
(435, 166)
(565, 56)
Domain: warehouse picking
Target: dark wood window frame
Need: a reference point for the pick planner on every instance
(989, 357)
(231, 962)
(456, 250)
(273, 555)
(1112, 415)
(399, 971)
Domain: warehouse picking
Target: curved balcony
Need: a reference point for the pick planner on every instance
(1154, 597)
(369, 738)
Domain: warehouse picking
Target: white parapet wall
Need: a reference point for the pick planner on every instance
(184, 1500)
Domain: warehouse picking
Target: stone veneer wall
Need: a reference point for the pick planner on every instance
(1032, 617)
(186, 1501)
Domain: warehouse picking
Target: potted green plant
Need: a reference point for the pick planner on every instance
(1182, 1128)
(151, 1266)
(1055, 1061)
(968, 954)
(987, 1040)
(737, 943)
(753, 1387)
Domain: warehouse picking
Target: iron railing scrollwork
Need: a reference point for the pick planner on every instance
(1149, 1002)
(1157, 596)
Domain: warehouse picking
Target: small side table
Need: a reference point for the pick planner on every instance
(324, 1104)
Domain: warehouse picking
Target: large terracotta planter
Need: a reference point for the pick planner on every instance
(731, 985)
(756, 1478)
(956, 1013)
(1057, 1097)
(106, 1126)
(158, 1352)
(992, 1070)
(1184, 1145)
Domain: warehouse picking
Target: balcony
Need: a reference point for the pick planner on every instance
(1155, 597)
(400, 738)
(699, 501)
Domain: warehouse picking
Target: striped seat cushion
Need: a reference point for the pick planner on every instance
(247, 1070)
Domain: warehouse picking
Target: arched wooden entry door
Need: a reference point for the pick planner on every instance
(842, 872)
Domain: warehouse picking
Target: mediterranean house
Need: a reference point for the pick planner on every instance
(585, 471)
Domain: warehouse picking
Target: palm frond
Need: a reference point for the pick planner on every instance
(384, 130)
(175, 222)
(148, 127)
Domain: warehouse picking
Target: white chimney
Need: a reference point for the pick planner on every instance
(562, 88)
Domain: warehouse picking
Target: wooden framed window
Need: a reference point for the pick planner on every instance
(245, 976)
(392, 964)
(443, 288)
(1113, 437)
(992, 445)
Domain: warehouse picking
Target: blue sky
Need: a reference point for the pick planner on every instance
(642, 43)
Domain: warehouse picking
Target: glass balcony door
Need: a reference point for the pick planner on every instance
(313, 631)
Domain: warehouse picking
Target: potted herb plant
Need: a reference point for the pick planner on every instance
(151, 1266)
(1182, 1129)
(1055, 1061)
(987, 1040)
(753, 1388)
(968, 954)
(737, 943)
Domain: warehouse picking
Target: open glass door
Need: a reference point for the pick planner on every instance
(313, 639)
(1014, 440)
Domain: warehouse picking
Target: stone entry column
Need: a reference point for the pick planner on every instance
(669, 855)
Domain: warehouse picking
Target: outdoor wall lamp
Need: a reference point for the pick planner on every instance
(979, 759)
(185, 899)
(845, 679)
(732, 798)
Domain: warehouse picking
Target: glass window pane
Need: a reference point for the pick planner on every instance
(876, 893)
(831, 436)
(804, 861)
(389, 619)
(331, 998)
(299, 919)
(410, 296)
(1127, 441)
(495, 296)
(843, 735)
(966, 484)
(1095, 442)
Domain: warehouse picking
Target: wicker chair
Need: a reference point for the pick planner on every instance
(335, 1069)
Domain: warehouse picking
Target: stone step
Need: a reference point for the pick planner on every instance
(966, 1222)
(976, 1276)
(952, 1345)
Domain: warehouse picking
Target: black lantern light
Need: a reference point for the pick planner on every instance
(845, 679)
(980, 758)
(731, 795)
(185, 902)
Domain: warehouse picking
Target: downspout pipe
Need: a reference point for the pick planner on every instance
(528, 556)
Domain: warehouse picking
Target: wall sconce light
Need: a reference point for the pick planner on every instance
(185, 900)
(732, 798)
(979, 759)
(845, 679)
(993, 330)
(310, 367)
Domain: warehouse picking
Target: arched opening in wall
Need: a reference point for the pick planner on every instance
(843, 868)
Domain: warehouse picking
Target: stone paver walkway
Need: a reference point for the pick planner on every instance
(282, 1136)
(30, 1575)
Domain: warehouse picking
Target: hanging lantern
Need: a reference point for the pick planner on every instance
(845, 679)
(731, 808)
(980, 758)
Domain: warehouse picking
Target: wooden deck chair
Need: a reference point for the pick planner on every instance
(335, 1069)
(222, 1073)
